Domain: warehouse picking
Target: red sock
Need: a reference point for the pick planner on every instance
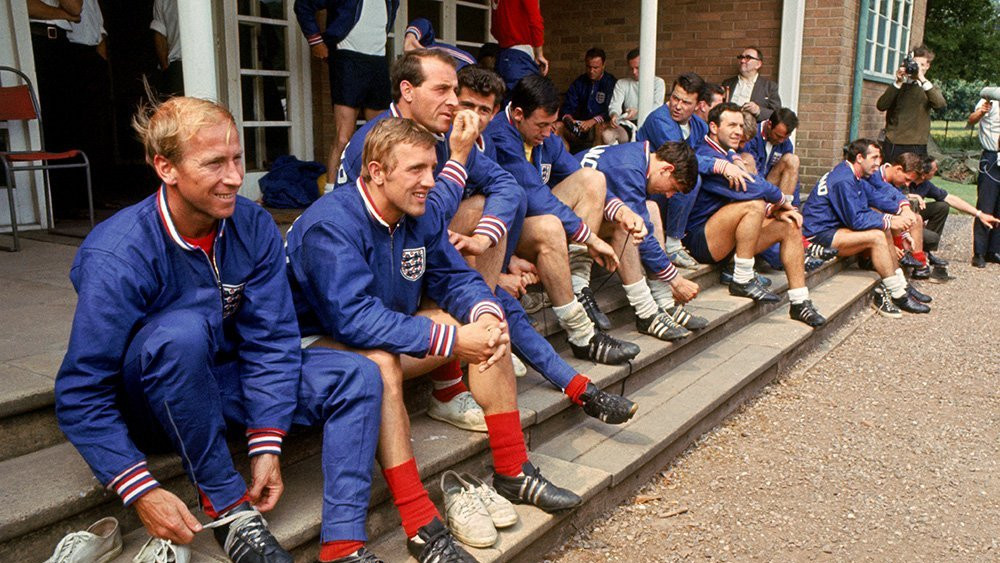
(411, 498)
(447, 381)
(921, 257)
(576, 387)
(330, 550)
(805, 243)
(898, 241)
(507, 442)
(211, 512)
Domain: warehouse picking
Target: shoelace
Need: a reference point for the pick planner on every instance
(161, 551)
(247, 526)
(488, 496)
(441, 549)
(368, 557)
(468, 503)
(602, 345)
(67, 546)
(681, 316)
(661, 324)
(887, 303)
(607, 405)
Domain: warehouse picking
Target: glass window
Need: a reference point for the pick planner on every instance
(888, 37)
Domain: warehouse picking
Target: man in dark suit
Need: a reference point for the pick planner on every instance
(749, 89)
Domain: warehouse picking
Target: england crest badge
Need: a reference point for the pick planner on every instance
(546, 172)
(599, 97)
(231, 297)
(413, 263)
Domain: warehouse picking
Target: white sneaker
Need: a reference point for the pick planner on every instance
(99, 543)
(501, 510)
(157, 550)
(520, 370)
(462, 411)
(468, 519)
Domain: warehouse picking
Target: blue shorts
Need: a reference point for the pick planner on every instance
(824, 238)
(697, 246)
(358, 80)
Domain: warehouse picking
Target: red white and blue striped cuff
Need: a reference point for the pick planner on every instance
(902, 204)
(667, 274)
(264, 441)
(719, 166)
(886, 221)
(598, 119)
(492, 228)
(485, 308)
(768, 209)
(314, 39)
(582, 234)
(442, 339)
(611, 208)
(133, 483)
(415, 31)
(455, 172)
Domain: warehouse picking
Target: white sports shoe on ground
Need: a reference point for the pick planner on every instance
(99, 543)
(157, 550)
(462, 411)
(468, 519)
(501, 510)
(520, 370)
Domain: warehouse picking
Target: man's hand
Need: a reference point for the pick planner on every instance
(587, 125)
(917, 202)
(684, 290)
(464, 132)
(483, 342)
(629, 113)
(519, 266)
(165, 516)
(901, 75)
(265, 485)
(411, 43)
(752, 107)
(320, 51)
(632, 223)
(909, 214)
(473, 246)
(602, 253)
(900, 223)
(541, 61)
(988, 220)
(791, 216)
(513, 284)
(736, 176)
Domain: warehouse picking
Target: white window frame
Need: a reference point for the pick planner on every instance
(449, 17)
(891, 51)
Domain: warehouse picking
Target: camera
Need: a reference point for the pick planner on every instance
(911, 66)
(991, 93)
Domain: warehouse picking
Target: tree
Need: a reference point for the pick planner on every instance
(965, 37)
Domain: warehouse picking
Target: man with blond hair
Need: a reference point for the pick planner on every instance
(188, 292)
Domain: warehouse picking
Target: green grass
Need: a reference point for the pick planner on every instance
(964, 191)
(958, 137)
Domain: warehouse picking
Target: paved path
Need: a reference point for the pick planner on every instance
(885, 450)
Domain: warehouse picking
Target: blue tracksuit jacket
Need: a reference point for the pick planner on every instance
(625, 167)
(135, 266)
(840, 200)
(484, 176)
(767, 159)
(550, 164)
(659, 128)
(360, 280)
(715, 191)
(341, 17)
(422, 29)
(882, 195)
(588, 98)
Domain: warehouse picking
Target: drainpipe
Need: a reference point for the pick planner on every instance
(859, 69)
(647, 57)
(194, 21)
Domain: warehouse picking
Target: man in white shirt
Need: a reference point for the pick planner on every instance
(624, 108)
(750, 90)
(986, 240)
(167, 43)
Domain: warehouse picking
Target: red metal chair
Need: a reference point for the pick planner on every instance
(19, 103)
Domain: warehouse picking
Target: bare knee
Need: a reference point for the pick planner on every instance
(752, 207)
(548, 233)
(791, 161)
(594, 183)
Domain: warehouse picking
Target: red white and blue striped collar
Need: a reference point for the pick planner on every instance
(394, 110)
(373, 211)
(761, 127)
(645, 150)
(481, 143)
(168, 221)
(506, 111)
(715, 145)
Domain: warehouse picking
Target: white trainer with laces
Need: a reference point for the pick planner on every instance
(99, 543)
(462, 411)
(501, 510)
(467, 517)
(158, 550)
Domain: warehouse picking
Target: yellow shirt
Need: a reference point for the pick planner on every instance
(528, 147)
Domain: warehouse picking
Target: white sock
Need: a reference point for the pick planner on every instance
(896, 285)
(329, 188)
(742, 269)
(575, 321)
(580, 264)
(798, 295)
(662, 293)
(672, 244)
(641, 299)
(899, 272)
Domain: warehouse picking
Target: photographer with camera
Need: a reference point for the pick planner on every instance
(907, 104)
(985, 239)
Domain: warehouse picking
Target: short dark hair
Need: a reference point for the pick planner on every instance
(489, 50)
(691, 82)
(786, 116)
(859, 147)
(483, 82)
(410, 68)
(910, 162)
(715, 114)
(923, 51)
(760, 54)
(535, 91)
(594, 52)
(927, 164)
(710, 89)
(682, 157)
(633, 53)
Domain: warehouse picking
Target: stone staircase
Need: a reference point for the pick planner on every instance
(683, 389)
